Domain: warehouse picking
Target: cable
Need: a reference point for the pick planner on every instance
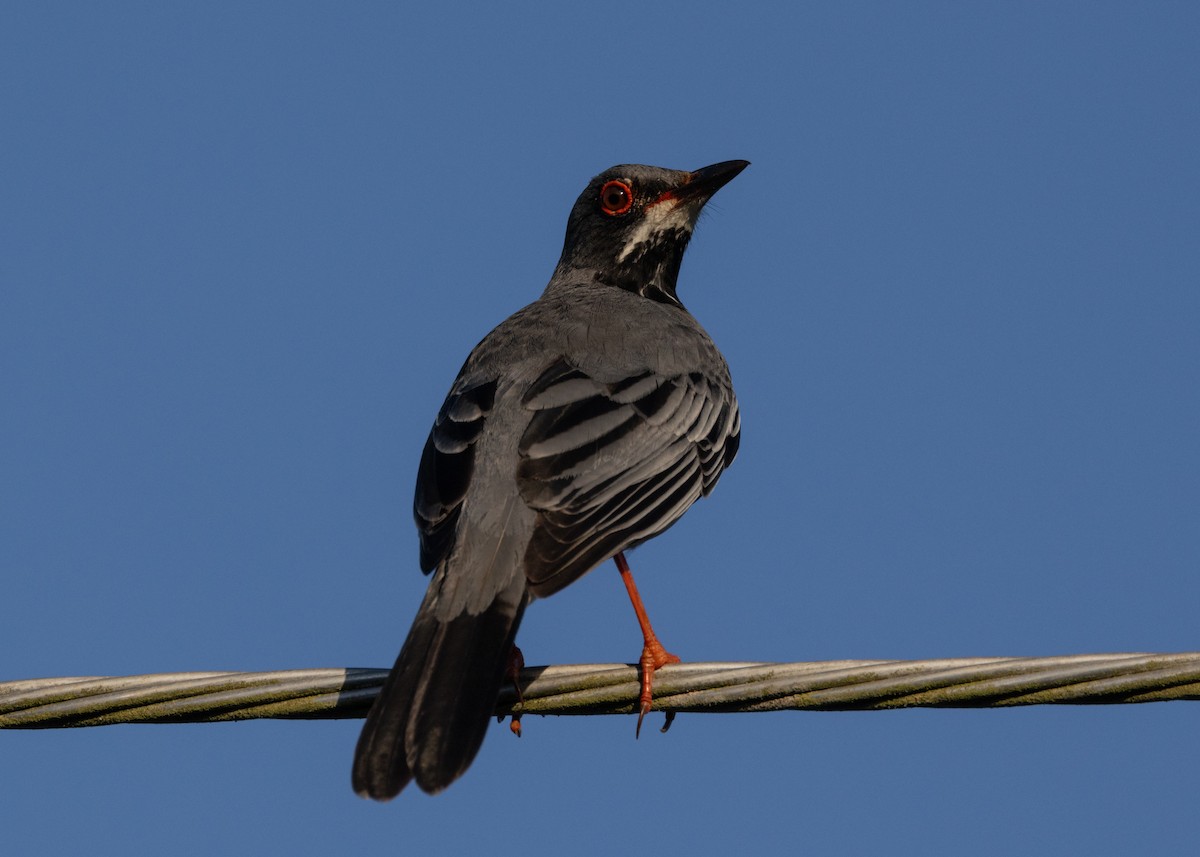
(314, 694)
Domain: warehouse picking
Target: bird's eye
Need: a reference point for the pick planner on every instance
(616, 198)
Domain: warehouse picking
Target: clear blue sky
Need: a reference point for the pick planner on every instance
(246, 250)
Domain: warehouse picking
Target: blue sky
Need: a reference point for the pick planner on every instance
(246, 250)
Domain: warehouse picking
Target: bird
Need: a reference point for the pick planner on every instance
(581, 426)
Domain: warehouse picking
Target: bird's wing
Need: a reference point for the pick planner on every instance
(609, 465)
(447, 464)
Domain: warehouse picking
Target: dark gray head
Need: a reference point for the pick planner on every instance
(632, 224)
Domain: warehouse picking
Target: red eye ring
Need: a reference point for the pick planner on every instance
(616, 198)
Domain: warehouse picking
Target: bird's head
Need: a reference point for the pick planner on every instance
(629, 228)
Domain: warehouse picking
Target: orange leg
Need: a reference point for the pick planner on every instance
(516, 663)
(653, 653)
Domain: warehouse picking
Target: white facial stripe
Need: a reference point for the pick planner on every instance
(659, 217)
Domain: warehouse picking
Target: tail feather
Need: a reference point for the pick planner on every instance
(434, 709)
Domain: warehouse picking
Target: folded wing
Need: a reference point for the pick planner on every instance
(447, 464)
(608, 465)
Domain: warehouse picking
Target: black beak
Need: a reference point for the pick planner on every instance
(706, 181)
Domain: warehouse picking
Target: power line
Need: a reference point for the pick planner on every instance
(314, 694)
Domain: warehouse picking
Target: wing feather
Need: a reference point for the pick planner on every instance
(608, 465)
(447, 464)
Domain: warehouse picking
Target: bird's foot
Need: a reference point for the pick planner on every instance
(516, 663)
(653, 657)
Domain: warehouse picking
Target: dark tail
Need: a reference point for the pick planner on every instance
(430, 718)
